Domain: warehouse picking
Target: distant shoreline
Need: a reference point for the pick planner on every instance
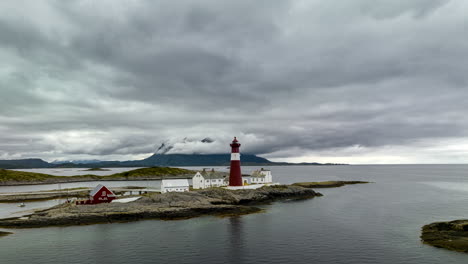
(167, 160)
(17, 178)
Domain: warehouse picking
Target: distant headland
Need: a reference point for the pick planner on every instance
(13, 178)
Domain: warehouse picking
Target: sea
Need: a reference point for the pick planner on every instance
(379, 222)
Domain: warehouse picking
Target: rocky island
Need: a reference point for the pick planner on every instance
(177, 205)
(451, 235)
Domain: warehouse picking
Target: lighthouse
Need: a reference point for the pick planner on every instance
(235, 177)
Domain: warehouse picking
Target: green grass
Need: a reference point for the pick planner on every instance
(10, 175)
(156, 172)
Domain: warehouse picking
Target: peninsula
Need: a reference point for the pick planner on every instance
(176, 205)
(327, 184)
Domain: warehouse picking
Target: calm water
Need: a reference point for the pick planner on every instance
(370, 223)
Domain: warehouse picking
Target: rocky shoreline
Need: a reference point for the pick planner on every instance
(215, 201)
(452, 235)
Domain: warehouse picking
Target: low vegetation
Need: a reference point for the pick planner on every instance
(11, 177)
(154, 171)
(280, 186)
(23, 176)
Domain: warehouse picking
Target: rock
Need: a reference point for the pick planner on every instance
(451, 235)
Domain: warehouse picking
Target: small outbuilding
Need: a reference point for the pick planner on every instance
(100, 194)
(175, 185)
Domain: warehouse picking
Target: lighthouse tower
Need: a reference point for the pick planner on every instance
(235, 177)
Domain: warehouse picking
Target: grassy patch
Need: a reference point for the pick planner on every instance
(281, 186)
(10, 175)
(153, 171)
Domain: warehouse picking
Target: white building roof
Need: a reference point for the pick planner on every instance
(175, 183)
(211, 175)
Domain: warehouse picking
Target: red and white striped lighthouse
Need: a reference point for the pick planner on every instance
(235, 176)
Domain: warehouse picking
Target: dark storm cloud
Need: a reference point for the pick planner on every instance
(290, 78)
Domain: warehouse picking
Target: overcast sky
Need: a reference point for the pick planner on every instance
(362, 81)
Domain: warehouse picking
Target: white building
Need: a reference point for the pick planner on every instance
(174, 185)
(204, 179)
(261, 177)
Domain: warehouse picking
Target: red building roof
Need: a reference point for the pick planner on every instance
(101, 194)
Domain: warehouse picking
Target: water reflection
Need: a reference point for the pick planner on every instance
(235, 248)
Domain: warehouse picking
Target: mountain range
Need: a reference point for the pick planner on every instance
(162, 157)
(166, 160)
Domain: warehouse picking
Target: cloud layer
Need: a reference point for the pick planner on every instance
(365, 81)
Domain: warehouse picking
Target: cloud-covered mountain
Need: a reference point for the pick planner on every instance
(163, 156)
(187, 146)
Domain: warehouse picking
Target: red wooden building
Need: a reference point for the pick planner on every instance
(100, 194)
